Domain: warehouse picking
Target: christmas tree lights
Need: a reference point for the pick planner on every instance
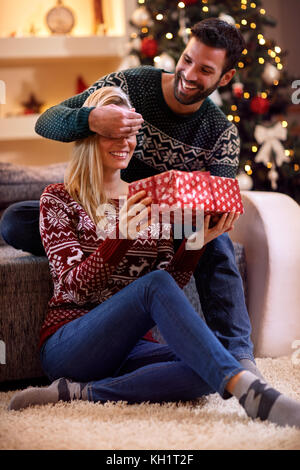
(259, 94)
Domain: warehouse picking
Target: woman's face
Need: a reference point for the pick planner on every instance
(116, 153)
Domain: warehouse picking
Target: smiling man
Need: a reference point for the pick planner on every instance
(201, 69)
(178, 127)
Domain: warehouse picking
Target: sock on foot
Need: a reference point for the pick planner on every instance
(251, 367)
(262, 401)
(60, 389)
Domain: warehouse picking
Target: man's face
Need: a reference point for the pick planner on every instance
(198, 72)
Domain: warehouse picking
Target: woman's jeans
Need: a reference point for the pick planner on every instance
(217, 277)
(103, 349)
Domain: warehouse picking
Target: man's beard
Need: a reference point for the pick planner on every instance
(199, 95)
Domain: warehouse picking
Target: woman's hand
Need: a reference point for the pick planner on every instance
(135, 215)
(213, 227)
(224, 224)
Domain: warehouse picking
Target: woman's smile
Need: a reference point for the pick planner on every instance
(120, 155)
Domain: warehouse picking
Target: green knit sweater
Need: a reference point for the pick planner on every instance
(204, 140)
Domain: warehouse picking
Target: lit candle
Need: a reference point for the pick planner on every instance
(99, 17)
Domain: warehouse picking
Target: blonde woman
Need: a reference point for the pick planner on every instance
(112, 288)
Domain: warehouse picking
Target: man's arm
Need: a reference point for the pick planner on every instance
(224, 158)
(69, 121)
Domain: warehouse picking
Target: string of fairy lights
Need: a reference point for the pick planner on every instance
(262, 42)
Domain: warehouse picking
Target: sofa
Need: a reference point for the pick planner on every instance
(266, 244)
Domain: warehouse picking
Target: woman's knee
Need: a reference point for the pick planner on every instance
(160, 278)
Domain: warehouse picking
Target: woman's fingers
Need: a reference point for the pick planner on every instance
(206, 222)
(224, 224)
(139, 206)
(221, 223)
(136, 198)
(135, 214)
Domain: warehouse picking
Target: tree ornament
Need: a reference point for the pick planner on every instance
(141, 17)
(182, 32)
(259, 105)
(245, 181)
(135, 44)
(149, 47)
(190, 2)
(273, 177)
(130, 62)
(238, 89)
(270, 138)
(165, 62)
(270, 74)
(227, 18)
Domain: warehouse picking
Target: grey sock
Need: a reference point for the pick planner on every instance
(262, 401)
(251, 366)
(60, 389)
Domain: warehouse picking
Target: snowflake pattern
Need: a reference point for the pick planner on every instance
(57, 219)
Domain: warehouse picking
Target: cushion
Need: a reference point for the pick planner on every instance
(21, 183)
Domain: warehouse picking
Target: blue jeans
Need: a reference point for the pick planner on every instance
(217, 277)
(104, 349)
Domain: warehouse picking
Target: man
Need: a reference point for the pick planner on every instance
(182, 129)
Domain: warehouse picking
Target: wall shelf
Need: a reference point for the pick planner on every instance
(18, 128)
(60, 47)
(50, 66)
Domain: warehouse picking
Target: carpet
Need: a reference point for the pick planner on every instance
(209, 423)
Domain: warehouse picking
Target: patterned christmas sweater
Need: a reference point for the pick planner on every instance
(89, 265)
(204, 140)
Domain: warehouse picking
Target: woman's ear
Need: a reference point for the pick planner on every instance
(227, 77)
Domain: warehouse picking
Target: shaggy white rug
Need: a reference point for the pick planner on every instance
(210, 423)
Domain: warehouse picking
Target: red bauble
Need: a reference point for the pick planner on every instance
(238, 90)
(259, 105)
(190, 2)
(149, 47)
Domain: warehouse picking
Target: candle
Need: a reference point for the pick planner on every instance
(99, 17)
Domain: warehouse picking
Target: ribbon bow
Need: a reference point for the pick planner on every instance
(270, 138)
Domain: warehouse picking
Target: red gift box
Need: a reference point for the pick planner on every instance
(196, 190)
(226, 194)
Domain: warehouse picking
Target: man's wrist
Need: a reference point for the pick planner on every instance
(91, 119)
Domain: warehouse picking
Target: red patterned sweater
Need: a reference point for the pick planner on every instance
(89, 266)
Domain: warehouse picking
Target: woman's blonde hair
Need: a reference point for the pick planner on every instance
(84, 175)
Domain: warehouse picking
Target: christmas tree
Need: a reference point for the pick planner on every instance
(256, 100)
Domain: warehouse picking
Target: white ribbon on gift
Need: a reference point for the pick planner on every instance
(270, 138)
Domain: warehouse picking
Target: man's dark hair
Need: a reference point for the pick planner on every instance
(217, 33)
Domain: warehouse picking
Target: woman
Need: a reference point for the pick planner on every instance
(113, 282)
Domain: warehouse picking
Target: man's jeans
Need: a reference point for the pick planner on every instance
(217, 277)
(104, 350)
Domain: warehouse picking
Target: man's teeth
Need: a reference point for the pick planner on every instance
(187, 87)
